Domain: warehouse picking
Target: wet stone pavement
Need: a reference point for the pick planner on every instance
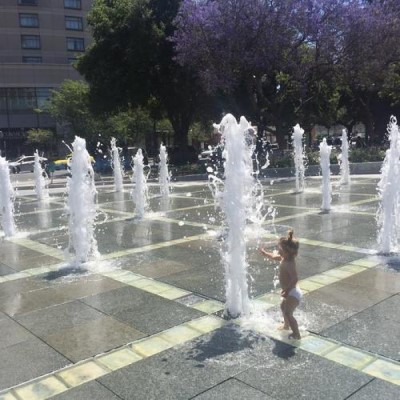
(144, 320)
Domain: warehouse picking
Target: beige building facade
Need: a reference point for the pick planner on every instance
(39, 41)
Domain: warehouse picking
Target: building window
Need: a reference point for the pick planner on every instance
(74, 4)
(27, 2)
(30, 41)
(21, 99)
(29, 20)
(32, 60)
(74, 23)
(75, 44)
(42, 95)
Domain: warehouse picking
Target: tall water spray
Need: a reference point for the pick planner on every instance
(325, 153)
(139, 192)
(40, 180)
(344, 160)
(298, 155)
(117, 168)
(164, 177)
(237, 203)
(7, 196)
(388, 214)
(81, 204)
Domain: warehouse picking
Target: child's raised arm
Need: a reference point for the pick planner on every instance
(271, 256)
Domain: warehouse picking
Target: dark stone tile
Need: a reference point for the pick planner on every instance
(206, 280)
(88, 391)
(144, 311)
(31, 301)
(234, 390)
(12, 333)
(304, 376)
(27, 360)
(374, 330)
(192, 368)
(377, 279)
(92, 338)
(377, 389)
(157, 268)
(5, 270)
(59, 317)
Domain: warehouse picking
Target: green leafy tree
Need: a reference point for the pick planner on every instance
(70, 105)
(131, 63)
(42, 138)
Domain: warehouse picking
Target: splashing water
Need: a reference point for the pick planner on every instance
(81, 204)
(388, 214)
(40, 180)
(164, 175)
(344, 160)
(298, 156)
(236, 198)
(325, 153)
(139, 192)
(7, 196)
(117, 168)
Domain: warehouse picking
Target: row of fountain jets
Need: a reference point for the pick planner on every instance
(238, 193)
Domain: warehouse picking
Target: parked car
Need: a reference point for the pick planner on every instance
(211, 155)
(24, 163)
(63, 163)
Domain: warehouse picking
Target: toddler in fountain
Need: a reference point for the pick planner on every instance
(291, 293)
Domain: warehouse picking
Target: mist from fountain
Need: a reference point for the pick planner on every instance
(139, 192)
(7, 196)
(81, 204)
(164, 175)
(236, 197)
(40, 180)
(343, 159)
(117, 167)
(325, 153)
(388, 214)
(298, 155)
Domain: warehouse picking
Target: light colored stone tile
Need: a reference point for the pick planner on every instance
(340, 274)
(41, 389)
(271, 298)
(207, 323)
(7, 396)
(37, 271)
(355, 269)
(18, 275)
(365, 262)
(386, 370)
(309, 285)
(316, 345)
(157, 287)
(347, 248)
(82, 373)
(329, 245)
(323, 279)
(349, 357)
(174, 293)
(209, 306)
(119, 358)
(151, 346)
(179, 334)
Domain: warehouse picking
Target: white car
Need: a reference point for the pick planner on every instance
(24, 163)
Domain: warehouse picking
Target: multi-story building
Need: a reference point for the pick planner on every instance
(39, 40)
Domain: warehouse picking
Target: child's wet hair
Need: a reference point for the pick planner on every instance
(289, 244)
